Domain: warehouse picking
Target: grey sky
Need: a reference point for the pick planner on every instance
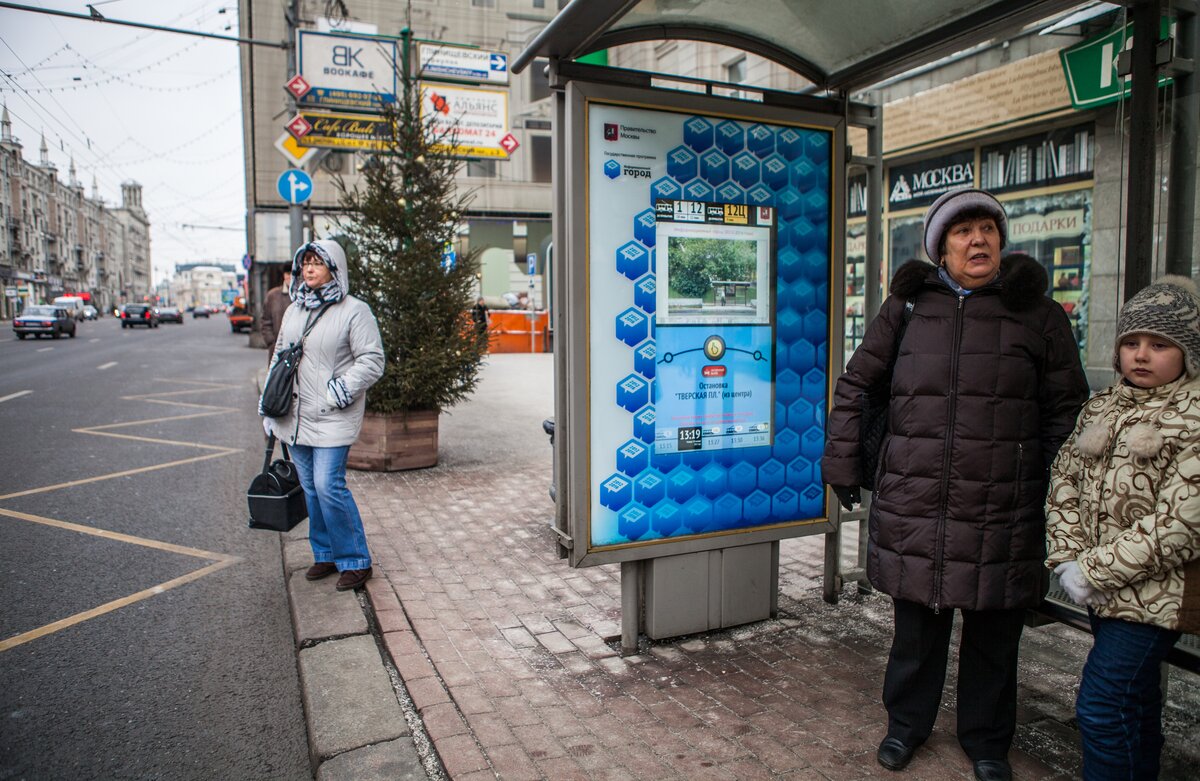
(126, 103)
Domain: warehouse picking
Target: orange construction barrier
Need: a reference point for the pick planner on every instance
(518, 331)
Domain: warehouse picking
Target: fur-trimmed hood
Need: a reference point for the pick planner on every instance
(1021, 284)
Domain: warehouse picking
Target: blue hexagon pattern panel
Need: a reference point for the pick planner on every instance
(637, 157)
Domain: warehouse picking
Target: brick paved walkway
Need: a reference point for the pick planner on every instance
(511, 656)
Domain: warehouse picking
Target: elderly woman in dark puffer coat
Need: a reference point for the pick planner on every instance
(986, 386)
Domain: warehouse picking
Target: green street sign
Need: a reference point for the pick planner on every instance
(1090, 67)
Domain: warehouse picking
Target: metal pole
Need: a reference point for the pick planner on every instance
(295, 211)
(1139, 215)
(1181, 194)
(874, 245)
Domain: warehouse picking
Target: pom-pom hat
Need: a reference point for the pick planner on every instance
(1169, 308)
(945, 211)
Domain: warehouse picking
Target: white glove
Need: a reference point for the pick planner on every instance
(329, 397)
(1078, 587)
(267, 426)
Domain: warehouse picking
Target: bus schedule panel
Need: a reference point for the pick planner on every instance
(714, 326)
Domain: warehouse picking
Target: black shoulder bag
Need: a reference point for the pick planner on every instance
(873, 424)
(276, 401)
(275, 497)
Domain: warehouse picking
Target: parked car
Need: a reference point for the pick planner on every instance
(200, 311)
(90, 312)
(73, 304)
(39, 319)
(138, 314)
(170, 314)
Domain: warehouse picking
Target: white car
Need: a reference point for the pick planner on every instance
(73, 304)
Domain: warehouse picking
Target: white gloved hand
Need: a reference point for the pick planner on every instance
(267, 426)
(329, 397)
(1078, 587)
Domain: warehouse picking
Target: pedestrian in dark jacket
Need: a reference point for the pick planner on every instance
(986, 386)
(275, 304)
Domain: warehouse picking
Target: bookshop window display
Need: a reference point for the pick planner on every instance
(856, 265)
(1056, 229)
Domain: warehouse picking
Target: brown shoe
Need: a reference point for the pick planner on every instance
(322, 569)
(353, 578)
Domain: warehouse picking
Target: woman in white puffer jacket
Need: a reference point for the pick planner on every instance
(343, 356)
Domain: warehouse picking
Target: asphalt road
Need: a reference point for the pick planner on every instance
(144, 630)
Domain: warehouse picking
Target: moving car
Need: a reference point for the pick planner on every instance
(138, 314)
(44, 319)
(90, 312)
(73, 304)
(200, 311)
(170, 314)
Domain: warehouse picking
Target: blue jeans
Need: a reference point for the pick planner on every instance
(1119, 708)
(335, 529)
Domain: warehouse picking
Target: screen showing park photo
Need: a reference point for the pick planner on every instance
(715, 339)
(713, 274)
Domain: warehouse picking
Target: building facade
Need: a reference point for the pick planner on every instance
(58, 240)
(200, 284)
(509, 218)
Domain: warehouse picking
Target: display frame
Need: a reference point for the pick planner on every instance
(581, 474)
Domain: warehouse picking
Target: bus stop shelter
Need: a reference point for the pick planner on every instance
(841, 50)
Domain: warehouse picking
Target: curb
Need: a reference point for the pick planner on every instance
(362, 724)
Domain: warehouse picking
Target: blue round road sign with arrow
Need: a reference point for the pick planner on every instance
(294, 186)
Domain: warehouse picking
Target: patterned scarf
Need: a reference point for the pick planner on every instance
(310, 298)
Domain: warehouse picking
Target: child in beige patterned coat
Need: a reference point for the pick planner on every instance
(1123, 526)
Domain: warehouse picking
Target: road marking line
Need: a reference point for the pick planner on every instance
(108, 607)
(220, 560)
(145, 542)
(108, 365)
(16, 395)
(124, 473)
(44, 349)
(91, 429)
(152, 440)
(93, 340)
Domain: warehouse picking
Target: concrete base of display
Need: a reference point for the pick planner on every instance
(699, 592)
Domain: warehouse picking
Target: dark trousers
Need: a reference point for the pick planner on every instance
(1119, 708)
(987, 676)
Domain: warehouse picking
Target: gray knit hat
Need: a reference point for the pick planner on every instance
(1169, 308)
(945, 210)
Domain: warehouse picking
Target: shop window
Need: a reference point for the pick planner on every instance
(1057, 231)
(856, 263)
(906, 241)
(484, 169)
(540, 154)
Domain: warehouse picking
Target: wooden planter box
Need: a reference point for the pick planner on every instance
(396, 441)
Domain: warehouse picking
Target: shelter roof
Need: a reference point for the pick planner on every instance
(840, 45)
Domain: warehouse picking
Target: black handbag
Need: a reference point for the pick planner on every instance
(276, 401)
(275, 497)
(873, 423)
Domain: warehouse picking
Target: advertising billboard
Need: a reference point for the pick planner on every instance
(354, 72)
(709, 243)
(472, 121)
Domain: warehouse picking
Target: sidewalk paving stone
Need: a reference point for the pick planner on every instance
(513, 658)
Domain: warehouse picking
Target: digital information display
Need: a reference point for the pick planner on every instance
(715, 334)
(708, 246)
